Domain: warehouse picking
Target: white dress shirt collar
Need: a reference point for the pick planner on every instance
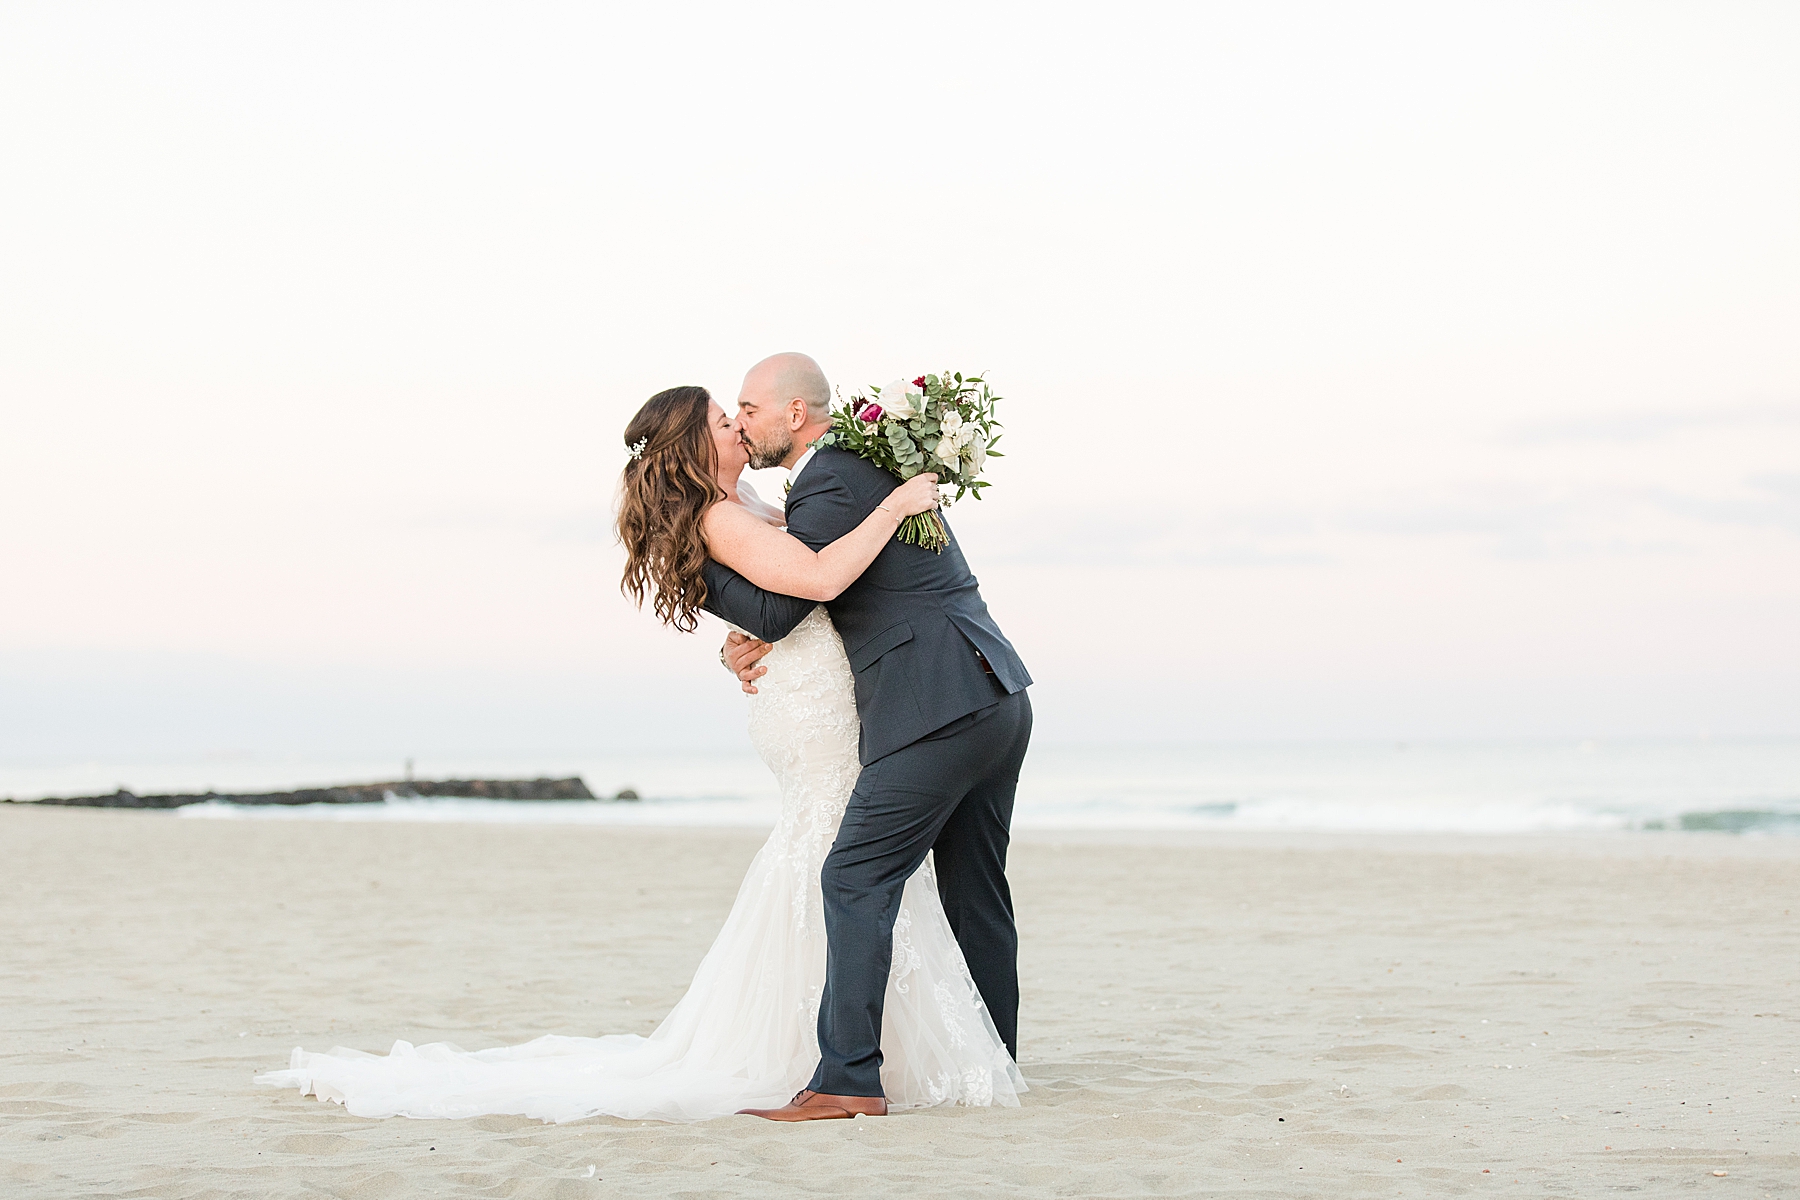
(794, 471)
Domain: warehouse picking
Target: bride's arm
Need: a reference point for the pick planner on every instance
(778, 562)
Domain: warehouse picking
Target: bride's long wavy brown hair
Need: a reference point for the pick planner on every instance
(669, 484)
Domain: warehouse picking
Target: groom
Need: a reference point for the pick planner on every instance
(945, 725)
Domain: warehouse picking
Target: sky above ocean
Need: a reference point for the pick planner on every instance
(1383, 372)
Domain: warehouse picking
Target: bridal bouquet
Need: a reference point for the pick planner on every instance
(940, 423)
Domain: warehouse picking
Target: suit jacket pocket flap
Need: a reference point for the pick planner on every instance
(865, 654)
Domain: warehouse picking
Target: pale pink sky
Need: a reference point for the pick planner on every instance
(1371, 371)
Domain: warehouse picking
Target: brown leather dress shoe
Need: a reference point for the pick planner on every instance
(816, 1106)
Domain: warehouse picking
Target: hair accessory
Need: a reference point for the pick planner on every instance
(637, 448)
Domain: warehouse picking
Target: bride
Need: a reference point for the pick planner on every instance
(745, 1034)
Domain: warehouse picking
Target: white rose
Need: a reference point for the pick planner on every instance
(901, 399)
(950, 422)
(949, 453)
(977, 454)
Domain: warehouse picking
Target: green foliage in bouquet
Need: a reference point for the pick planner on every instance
(940, 423)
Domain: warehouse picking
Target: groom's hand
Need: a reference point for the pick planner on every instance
(741, 655)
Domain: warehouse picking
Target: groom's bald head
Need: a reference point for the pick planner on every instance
(785, 404)
(780, 378)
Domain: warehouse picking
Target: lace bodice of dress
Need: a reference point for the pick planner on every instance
(803, 723)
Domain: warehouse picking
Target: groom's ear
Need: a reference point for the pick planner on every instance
(797, 415)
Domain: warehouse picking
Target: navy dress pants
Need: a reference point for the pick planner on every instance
(949, 793)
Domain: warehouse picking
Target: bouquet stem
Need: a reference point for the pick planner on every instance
(925, 529)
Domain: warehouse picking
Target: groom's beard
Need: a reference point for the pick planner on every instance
(771, 453)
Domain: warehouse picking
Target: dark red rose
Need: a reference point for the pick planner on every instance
(919, 383)
(871, 414)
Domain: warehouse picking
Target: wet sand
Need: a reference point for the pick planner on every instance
(1204, 1014)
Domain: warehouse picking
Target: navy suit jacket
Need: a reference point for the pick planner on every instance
(911, 624)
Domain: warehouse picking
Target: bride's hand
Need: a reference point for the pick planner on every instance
(918, 494)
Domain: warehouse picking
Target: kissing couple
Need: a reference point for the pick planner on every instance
(870, 960)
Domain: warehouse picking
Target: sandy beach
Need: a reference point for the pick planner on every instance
(1203, 1014)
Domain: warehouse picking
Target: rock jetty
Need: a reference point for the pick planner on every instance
(350, 793)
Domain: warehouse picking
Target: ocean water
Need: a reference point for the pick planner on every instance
(1715, 787)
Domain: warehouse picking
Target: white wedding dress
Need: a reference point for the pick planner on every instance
(745, 1034)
